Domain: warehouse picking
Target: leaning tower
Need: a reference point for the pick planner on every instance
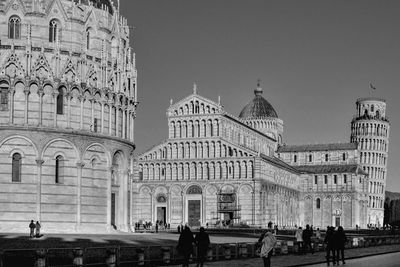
(67, 111)
(370, 130)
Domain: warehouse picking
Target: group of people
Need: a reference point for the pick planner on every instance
(34, 229)
(303, 239)
(185, 245)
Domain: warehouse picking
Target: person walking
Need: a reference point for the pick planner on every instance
(32, 227)
(185, 245)
(38, 226)
(307, 233)
(329, 241)
(299, 239)
(268, 242)
(202, 241)
(339, 240)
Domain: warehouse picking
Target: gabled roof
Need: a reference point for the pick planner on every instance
(320, 169)
(317, 147)
(279, 163)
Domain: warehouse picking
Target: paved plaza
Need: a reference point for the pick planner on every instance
(21, 241)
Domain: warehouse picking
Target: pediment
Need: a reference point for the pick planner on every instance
(194, 104)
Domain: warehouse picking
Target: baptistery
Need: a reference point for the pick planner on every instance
(68, 94)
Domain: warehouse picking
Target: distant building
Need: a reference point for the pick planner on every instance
(67, 111)
(216, 168)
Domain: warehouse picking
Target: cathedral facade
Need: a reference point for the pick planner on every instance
(68, 105)
(215, 167)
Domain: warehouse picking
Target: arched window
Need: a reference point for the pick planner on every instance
(88, 39)
(60, 101)
(326, 157)
(59, 170)
(3, 96)
(344, 156)
(310, 158)
(53, 31)
(16, 167)
(318, 203)
(14, 27)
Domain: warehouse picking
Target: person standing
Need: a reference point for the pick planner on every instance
(185, 245)
(299, 239)
(329, 241)
(38, 226)
(202, 240)
(32, 227)
(307, 233)
(268, 243)
(156, 227)
(340, 240)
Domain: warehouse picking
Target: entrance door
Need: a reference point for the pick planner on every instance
(194, 212)
(161, 214)
(337, 221)
(113, 209)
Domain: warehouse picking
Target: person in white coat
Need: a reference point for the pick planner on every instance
(268, 243)
(299, 239)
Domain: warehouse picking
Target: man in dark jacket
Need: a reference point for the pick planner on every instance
(307, 233)
(329, 241)
(32, 227)
(203, 242)
(339, 241)
(185, 245)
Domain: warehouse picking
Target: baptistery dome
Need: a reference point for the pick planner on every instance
(258, 108)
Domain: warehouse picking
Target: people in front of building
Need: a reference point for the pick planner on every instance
(32, 227)
(307, 234)
(329, 241)
(38, 226)
(299, 239)
(339, 241)
(202, 240)
(185, 245)
(268, 242)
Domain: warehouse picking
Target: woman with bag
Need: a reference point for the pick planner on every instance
(268, 243)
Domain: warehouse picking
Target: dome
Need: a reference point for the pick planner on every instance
(258, 108)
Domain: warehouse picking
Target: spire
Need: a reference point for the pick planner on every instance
(258, 90)
(194, 88)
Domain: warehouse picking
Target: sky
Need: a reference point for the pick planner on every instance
(314, 59)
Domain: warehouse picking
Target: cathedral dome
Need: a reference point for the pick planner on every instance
(258, 108)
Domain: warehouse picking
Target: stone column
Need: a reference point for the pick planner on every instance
(109, 178)
(79, 167)
(40, 93)
(11, 98)
(69, 96)
(26, 92)
(39, 163)
(169, 208)
(128, 123)
(183, 208)
(55, 94)
(82, 100)
(123, 131)
(92, 115)
(123, 195)
(102, 117)
(116, 121)
(110, 119)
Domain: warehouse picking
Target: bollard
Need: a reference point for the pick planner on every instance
(40, 258)
(210, 254)
(284, 248)
(78, 257)
(111, 259)
(140, 256)
(166, 255)
(227, 252)
(243, 250)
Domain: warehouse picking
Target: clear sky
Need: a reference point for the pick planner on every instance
(315, 58)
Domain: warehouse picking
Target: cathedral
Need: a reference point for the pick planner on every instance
(216, 169)
(68, 105)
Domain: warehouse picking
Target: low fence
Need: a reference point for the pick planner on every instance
(158, 255)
